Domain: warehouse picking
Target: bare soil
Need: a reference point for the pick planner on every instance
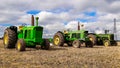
(61, 57)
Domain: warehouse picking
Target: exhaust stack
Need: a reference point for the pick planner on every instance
(78, 26)
(37, 21)
(32, 20)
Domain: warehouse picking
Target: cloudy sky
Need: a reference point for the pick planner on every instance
(54, 15)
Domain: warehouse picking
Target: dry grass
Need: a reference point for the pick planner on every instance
(61, 57)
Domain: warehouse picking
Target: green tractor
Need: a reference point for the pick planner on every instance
(74, 38)
(105, 39)
(27, 36)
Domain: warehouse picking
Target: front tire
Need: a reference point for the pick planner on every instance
(69, 44)
(89, 44)
(46, 44)
(20, 46)
(76, 44)
(10, 38)
(106, 43)
(114, 43)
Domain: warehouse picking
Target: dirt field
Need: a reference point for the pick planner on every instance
(61, 57)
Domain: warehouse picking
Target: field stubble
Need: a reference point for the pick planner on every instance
(61, 57)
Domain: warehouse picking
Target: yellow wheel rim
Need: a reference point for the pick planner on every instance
(91, 39)
(56, 40)
(106, 44)
(6, 38)
(18, 45)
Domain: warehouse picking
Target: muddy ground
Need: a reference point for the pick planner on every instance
(61, 57)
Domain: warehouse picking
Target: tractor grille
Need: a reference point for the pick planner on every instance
(38, 34)
(112, 37)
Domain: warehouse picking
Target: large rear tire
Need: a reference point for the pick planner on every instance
(92, 38)
(76, 44)
(10, 38)
(46, 44)
(58, 39)
(20, 46)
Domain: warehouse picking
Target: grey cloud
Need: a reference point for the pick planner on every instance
(14, 12)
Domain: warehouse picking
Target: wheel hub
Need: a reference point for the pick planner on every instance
(106, 43)
(56, 40)
(91, 39)
(18, 45)
(6, 39)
